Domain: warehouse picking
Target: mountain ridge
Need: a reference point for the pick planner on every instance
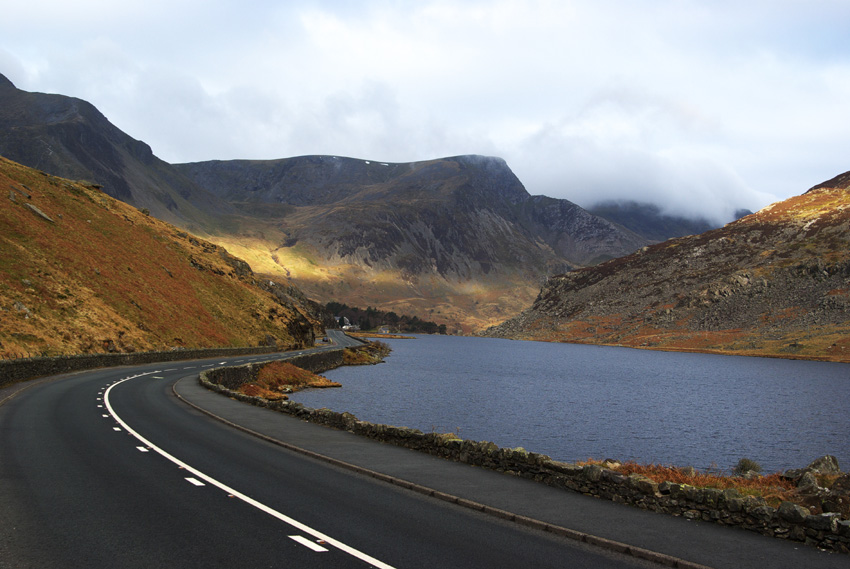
(462, 231)
(71, 138)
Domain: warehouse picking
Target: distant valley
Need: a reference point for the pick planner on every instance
(455, 240)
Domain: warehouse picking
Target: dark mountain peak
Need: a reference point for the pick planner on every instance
(5, 84)
(71, 138)
(314, 180)
(480, 161)
(491, 177)
(649, 220)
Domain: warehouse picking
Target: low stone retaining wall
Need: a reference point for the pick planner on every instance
(228, 379)
(727, 507)
(12, 371)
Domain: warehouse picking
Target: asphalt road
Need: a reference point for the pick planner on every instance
(108, 469)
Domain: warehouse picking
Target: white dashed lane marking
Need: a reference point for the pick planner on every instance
(307, 543)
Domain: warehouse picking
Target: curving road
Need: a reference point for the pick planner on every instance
(108, 469)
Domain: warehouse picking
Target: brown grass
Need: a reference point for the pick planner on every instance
(773, 488)
(104, 272)
(278, 377)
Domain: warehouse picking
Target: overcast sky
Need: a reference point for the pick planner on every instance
(700, 106)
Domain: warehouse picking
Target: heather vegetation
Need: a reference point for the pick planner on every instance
(826, 489)
(773, 487)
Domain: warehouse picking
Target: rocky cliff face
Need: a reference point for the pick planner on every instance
(775, 282)
(456, 240)
(456, 217)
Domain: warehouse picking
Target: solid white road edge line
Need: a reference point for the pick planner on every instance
(236, 494)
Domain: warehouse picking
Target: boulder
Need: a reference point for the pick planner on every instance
(823, 522)
(826, 464)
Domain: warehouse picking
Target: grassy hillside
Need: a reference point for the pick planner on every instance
(81, 272)
(776, 282)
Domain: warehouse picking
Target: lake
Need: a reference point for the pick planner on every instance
(575, 402)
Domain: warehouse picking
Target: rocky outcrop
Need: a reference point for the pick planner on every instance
(831, 499)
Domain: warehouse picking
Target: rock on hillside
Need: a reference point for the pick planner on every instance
(70, 138)
(775, 282)
(81, 272)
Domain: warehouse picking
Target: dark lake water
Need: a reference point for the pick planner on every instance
(575, 402)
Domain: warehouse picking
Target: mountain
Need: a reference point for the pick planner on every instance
(82, 272)
(647, 220)
(459, 237)
(456, 240)
(776, 282)
(70, 138)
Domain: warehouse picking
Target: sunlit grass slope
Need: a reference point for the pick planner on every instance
(81, 272)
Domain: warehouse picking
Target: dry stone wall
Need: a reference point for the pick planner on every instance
(12, 371)
(726, 507)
